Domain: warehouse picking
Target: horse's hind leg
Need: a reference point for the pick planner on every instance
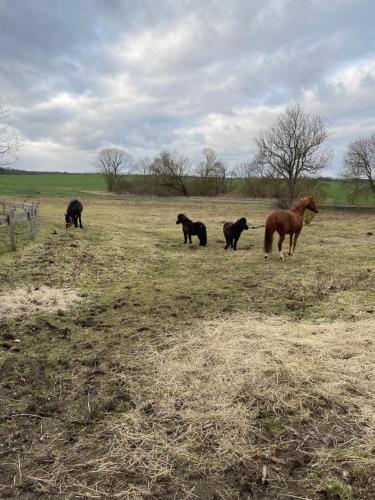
(280, 245)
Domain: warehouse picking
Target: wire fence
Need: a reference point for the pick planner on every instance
(18, 222)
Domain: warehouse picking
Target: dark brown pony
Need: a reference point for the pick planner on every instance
(73, 214)
(190, 228)
(232, 232)
(287, 222)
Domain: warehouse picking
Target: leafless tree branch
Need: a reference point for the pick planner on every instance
(112, 163)
(291, 148)
(10, 141)
(359, 164)
(171, 168)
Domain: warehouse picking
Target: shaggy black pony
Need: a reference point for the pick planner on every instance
(73, 214)
(232, 232)
(191, 228)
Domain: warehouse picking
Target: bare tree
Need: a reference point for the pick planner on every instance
(113, 163)
(291, 148)
(10, 142)
(212, 173)
(359, 166)
(144, 166)
(171, 168)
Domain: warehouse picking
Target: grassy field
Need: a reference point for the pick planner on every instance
(69, 185)
(134, 366)
(93, 185)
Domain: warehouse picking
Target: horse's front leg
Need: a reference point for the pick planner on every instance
(290, 244)
(295, 240)
(185, 237)
(76, 220)
(189, 238)
(235, 244)
(80, 221)
(280, 245)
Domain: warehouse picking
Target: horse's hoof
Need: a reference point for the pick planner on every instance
(266, 257)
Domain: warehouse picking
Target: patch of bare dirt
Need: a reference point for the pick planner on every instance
(101, 193)
(21, 301)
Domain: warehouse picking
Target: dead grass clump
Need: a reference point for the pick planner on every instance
(237, 391)
(27, 301)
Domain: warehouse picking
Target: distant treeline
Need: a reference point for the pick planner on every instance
(327, 190)
(17, 171)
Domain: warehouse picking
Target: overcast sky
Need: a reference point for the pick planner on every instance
(80, 75)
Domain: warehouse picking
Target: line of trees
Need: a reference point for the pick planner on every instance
(290, 150)
(168, 173)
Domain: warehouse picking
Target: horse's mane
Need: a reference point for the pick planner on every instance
(302, 202)
(184, 217)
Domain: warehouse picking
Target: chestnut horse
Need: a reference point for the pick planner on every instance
(287, 222)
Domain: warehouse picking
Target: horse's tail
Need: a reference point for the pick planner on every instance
(202, 234)
(268, 237)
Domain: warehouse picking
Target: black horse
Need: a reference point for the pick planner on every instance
(232, 232)
(73, 214)
(191, 228)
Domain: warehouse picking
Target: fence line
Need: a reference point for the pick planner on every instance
(13, 212)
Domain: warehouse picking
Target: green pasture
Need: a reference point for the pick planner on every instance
(334, 192)
(50, 184)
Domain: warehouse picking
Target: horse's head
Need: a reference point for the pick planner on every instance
(180, 218)
(68, 221)
(243, 224)
(312, 205)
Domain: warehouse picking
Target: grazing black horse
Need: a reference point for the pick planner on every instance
(73, 214)
(232, 232)
(191, 228)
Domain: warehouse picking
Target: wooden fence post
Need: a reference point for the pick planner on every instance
(35, 218)
(12, 224)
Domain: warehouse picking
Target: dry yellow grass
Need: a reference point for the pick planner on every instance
(249, 391)
(28, 301)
